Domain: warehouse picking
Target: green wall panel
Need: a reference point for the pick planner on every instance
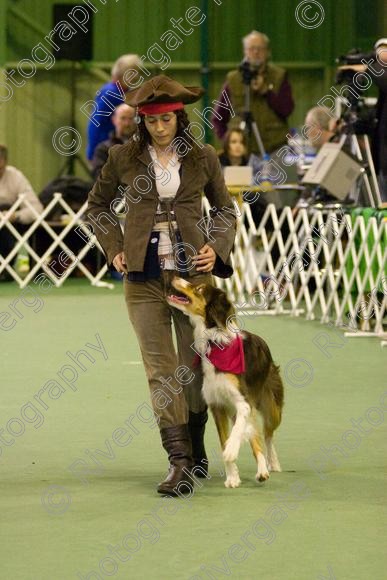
(133, 26)
(29, 119)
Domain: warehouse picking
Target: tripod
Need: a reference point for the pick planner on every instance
(357, 125)
(371, 185)
(249, 124)
(68, 167)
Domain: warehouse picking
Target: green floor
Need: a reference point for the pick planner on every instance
(319, 518)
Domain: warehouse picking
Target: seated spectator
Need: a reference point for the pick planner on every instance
(108, 97)
(13, 183)
(124, 127)
(235, 149)
(320, 126)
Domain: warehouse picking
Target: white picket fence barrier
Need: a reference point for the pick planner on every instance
(319, 263)
(42, 262)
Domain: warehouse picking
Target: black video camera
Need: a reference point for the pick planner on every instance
(248, 71)
(354, 56)
(359, 119)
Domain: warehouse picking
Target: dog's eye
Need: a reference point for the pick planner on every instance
(200, 289)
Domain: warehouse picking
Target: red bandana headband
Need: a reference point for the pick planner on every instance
(160, 108)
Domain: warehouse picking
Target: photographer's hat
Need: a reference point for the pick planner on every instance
(380, 42)
(161, 94)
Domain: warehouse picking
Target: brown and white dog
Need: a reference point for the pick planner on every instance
(240, 377)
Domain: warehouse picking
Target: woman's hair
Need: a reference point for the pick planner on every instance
(226, 146)
(142, 138)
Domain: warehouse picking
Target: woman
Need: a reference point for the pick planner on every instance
(162, 174)
(234, 149)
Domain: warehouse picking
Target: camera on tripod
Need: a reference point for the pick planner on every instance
(248, 71)
(359, 118)
(354, 56)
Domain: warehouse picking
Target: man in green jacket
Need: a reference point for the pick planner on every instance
(271, 100)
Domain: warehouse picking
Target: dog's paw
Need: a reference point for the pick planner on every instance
(274, 466)
(232, 475)
(262, 476)
(231, 450)
(272, 461)
(233, 481)
(262, 468)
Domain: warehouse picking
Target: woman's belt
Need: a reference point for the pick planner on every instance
(163, 226)
(167, 215)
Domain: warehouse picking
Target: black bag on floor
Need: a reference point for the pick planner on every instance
(73, 189)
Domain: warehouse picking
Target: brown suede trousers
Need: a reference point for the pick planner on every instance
(175, 387)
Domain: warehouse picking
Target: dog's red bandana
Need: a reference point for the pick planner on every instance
(229, 358)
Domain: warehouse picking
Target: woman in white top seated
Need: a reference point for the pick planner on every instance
(12, 184)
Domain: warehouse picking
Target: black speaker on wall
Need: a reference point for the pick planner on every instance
(73, 32)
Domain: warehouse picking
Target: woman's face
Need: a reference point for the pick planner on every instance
(236, 147)
(161, 128)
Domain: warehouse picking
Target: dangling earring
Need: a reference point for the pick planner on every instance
(137, 120)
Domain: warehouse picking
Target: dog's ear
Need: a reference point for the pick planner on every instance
(218, 309)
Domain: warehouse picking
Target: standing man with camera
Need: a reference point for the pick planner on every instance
(271, 99)
(377, 70)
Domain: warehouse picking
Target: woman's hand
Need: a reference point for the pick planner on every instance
(119, 263)
(259, 85)
(205, 260)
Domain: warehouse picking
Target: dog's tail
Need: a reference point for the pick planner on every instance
(261, 368)
(272, 401)
(275, 385)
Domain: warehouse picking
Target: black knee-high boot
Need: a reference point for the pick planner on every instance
(177, 443)
(196, 425)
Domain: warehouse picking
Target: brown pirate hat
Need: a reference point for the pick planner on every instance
(162, 90)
